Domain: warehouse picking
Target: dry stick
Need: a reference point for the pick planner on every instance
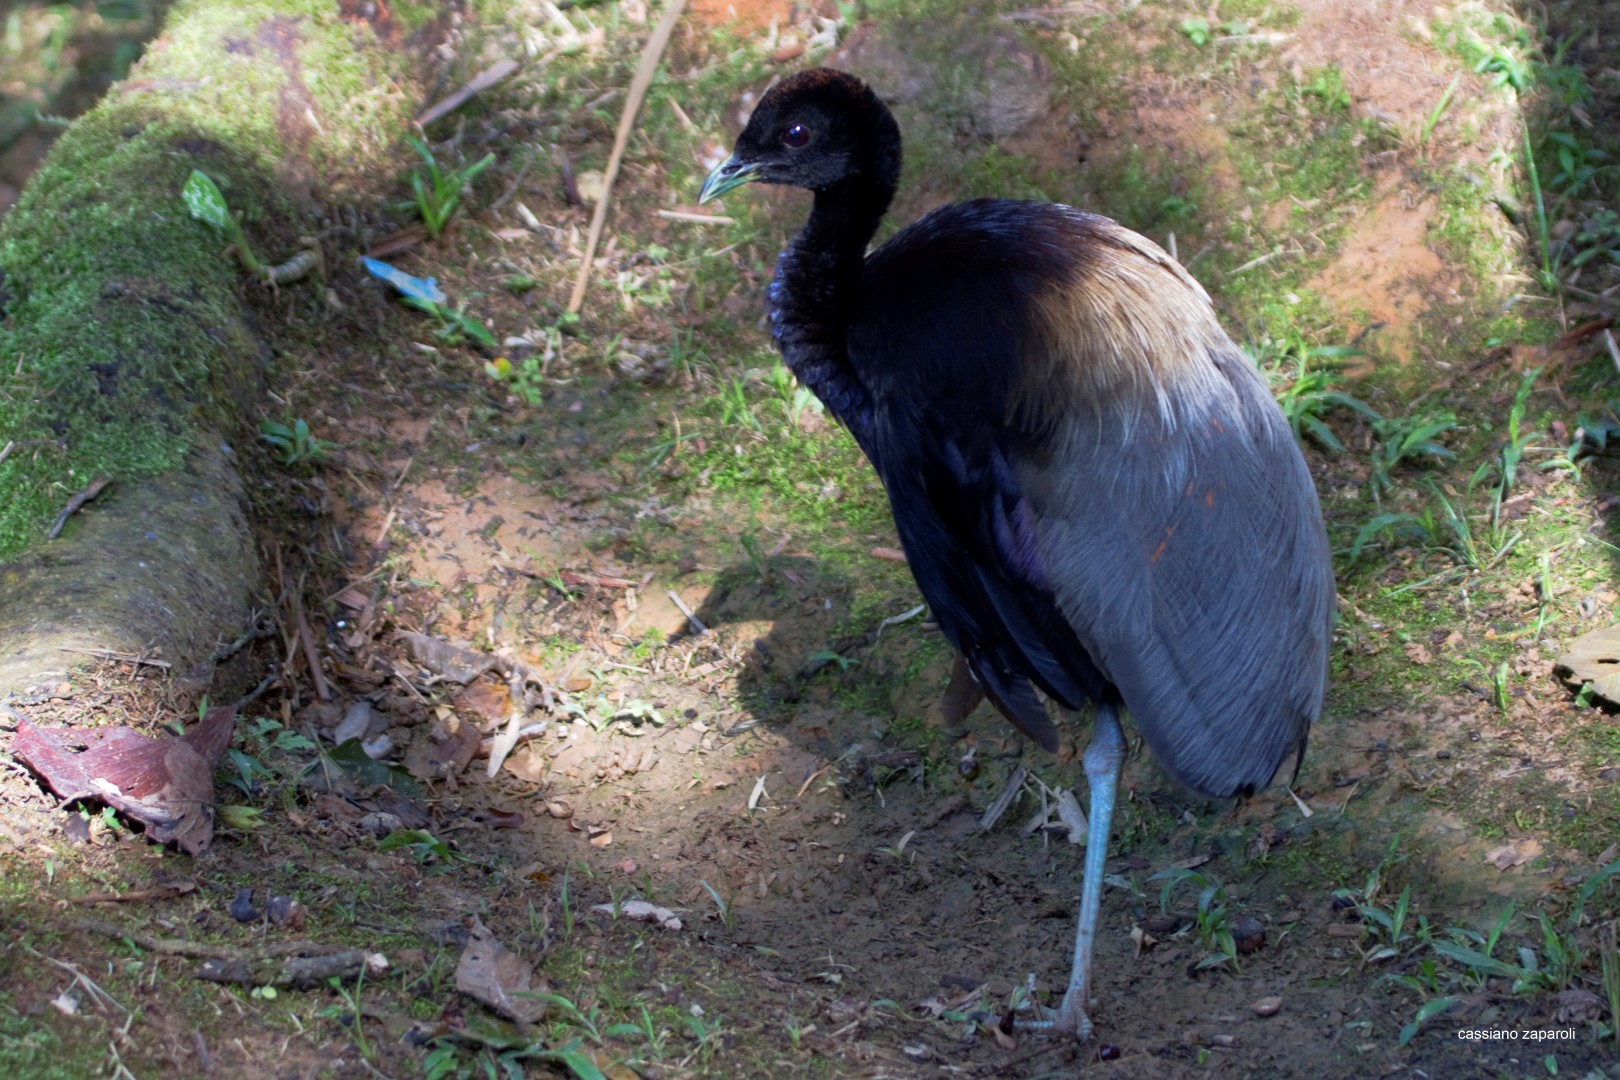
(200, 950)
(482, 81)
(77, 501)
(638, 90)
(697, 626)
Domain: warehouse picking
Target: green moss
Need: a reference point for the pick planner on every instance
(31, 1047)
(125, 335)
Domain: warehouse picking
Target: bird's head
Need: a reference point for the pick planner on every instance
(816, 130)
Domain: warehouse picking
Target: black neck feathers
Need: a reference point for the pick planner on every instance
(818, 276)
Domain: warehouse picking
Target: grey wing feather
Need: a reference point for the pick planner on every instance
(1201, 587)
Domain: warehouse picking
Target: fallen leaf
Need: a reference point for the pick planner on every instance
(641, 911)
(356, 722)
(489, 700)
(428, 760)
(458, 663)
(1518, 853)
(165, 783)
(1069, 812)
(497, 976)
(1578, 1006)
(1594, 658)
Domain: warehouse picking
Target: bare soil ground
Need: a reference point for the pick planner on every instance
(780, 778)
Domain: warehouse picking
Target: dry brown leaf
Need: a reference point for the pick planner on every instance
(490, 700)
(1595, 658)
(496, 975)
(165, 783)
(1517, 853)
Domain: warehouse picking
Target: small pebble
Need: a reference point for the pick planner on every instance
(1108, 1052)
(1267, 1006)
(559, 809)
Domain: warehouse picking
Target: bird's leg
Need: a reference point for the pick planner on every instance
(1103, 759)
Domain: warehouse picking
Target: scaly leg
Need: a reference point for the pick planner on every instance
(1103, 759)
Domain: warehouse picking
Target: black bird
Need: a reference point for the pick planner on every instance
(1097, 495)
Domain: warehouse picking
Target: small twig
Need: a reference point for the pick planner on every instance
(5, 451)
(512, 188)
(388, 523)
(202, 950)
(700, 219)
(697, 626)
(1263, 259)
(810, 780)
(123, 658)
(1614, 350)
(482, 81)
(1248, 39)
(79, 976)
(162, 892)
(650, 56)
(77, 501)
(307, 637)
(1004, 800)
(261, 628)
(258, 691)
(888, 553)
(895, 620)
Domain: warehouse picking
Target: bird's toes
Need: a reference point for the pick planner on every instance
(1073, 1016)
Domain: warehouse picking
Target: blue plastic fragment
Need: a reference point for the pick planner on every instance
(414, 287)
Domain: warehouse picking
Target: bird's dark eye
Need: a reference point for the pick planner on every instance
(796, 136)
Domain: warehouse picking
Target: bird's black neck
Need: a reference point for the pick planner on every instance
(814, 294)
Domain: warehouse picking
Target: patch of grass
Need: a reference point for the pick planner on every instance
(31, 1047)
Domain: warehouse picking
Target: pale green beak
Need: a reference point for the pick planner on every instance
(729, 174)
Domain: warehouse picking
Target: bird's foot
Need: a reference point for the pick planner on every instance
(1069, 1018)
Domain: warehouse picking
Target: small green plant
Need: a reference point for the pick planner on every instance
(1197, 30)
(727, 915)
(1518, 439)
(298, 446)
(1499, 688)
(1327, 86)
(736, 410)
(1609, 961)
(1437, 113)
(349, 1014)
(428, 850)
(438, 192)
(572, 1014)
(1211, 917)
(265, 738)
(1426, 1012)
(1306, 393)
(1388, 926)
(1598, 237)
(794, 399)
(207, 204)
(455, 325)
(1407, 438)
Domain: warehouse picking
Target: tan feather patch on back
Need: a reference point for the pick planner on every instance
(1128, 325)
